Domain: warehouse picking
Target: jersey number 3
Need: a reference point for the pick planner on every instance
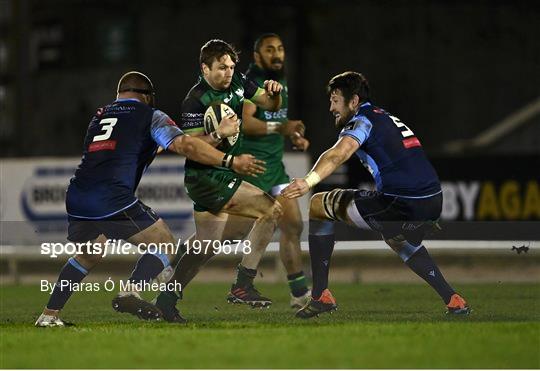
(107, 126)
(101, 142)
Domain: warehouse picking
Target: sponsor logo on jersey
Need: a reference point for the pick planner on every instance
(279, 115)
(102, 145)
(228, 99)
(411, 142)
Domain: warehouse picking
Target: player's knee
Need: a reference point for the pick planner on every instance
(276, 211)
(161, 233)
(270, 208)
(316, 206)
(402, 247)
(395, 243)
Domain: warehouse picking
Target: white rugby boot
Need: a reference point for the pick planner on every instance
(300, 301)
(47, 320)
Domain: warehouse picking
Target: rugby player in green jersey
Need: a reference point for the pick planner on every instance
(264, 137)
(224, 204)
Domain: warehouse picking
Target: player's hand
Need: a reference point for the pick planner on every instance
(228, 126)
(247, 164)
(272, 87)
(299, 142)
(298, 187)
(291, 127)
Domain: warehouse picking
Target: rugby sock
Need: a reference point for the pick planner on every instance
(148, 267)
(168, 299)
(245, 276)
(423, 265)
(321, 245)
(297, 284)
(72, 272)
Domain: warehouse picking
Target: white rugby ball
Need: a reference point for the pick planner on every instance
(212, 118)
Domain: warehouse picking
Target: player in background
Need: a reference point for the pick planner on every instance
(223, 202)
(121, 142)
(406, 204)
(265, 133)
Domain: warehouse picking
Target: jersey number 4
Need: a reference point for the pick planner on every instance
(411, 140)
(101, 142)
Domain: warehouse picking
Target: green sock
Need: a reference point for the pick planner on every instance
(245, 276)
(297, 284)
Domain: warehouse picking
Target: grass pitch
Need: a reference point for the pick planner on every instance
(376, 326)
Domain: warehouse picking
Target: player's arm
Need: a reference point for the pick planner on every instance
(256, 127)
(192, 123)
(327, 163)
(252, 125)
(268, 97)
(294, 129)
(167, 135)
(351, 138)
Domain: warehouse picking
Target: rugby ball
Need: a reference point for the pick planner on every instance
(212, 118)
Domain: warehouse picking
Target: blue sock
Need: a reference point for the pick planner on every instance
(72, 272)
(148, 267)
(321, 245)
(423, 265)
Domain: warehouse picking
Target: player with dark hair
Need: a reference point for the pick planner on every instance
(121, 142)
(265, 134)
(406, 205)
(224, 205)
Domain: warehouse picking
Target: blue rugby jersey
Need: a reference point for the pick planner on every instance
(120, 143)
(391, 152)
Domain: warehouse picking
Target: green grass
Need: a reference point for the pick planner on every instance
(376, 326)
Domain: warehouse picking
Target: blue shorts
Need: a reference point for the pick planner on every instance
(121, 225)
(393, 216)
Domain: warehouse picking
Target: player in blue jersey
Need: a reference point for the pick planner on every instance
(406, 204)
(121, 142)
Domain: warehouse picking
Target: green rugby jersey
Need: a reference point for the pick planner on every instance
(267, 147)
(202, 95)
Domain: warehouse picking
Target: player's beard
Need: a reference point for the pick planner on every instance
(272, 74)
(343, 120)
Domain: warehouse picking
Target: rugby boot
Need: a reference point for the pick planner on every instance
(167, 306)
(457, 305)
(298, 302)
(131, 302)
(46, 320)
(326, 303)
(248, 295)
